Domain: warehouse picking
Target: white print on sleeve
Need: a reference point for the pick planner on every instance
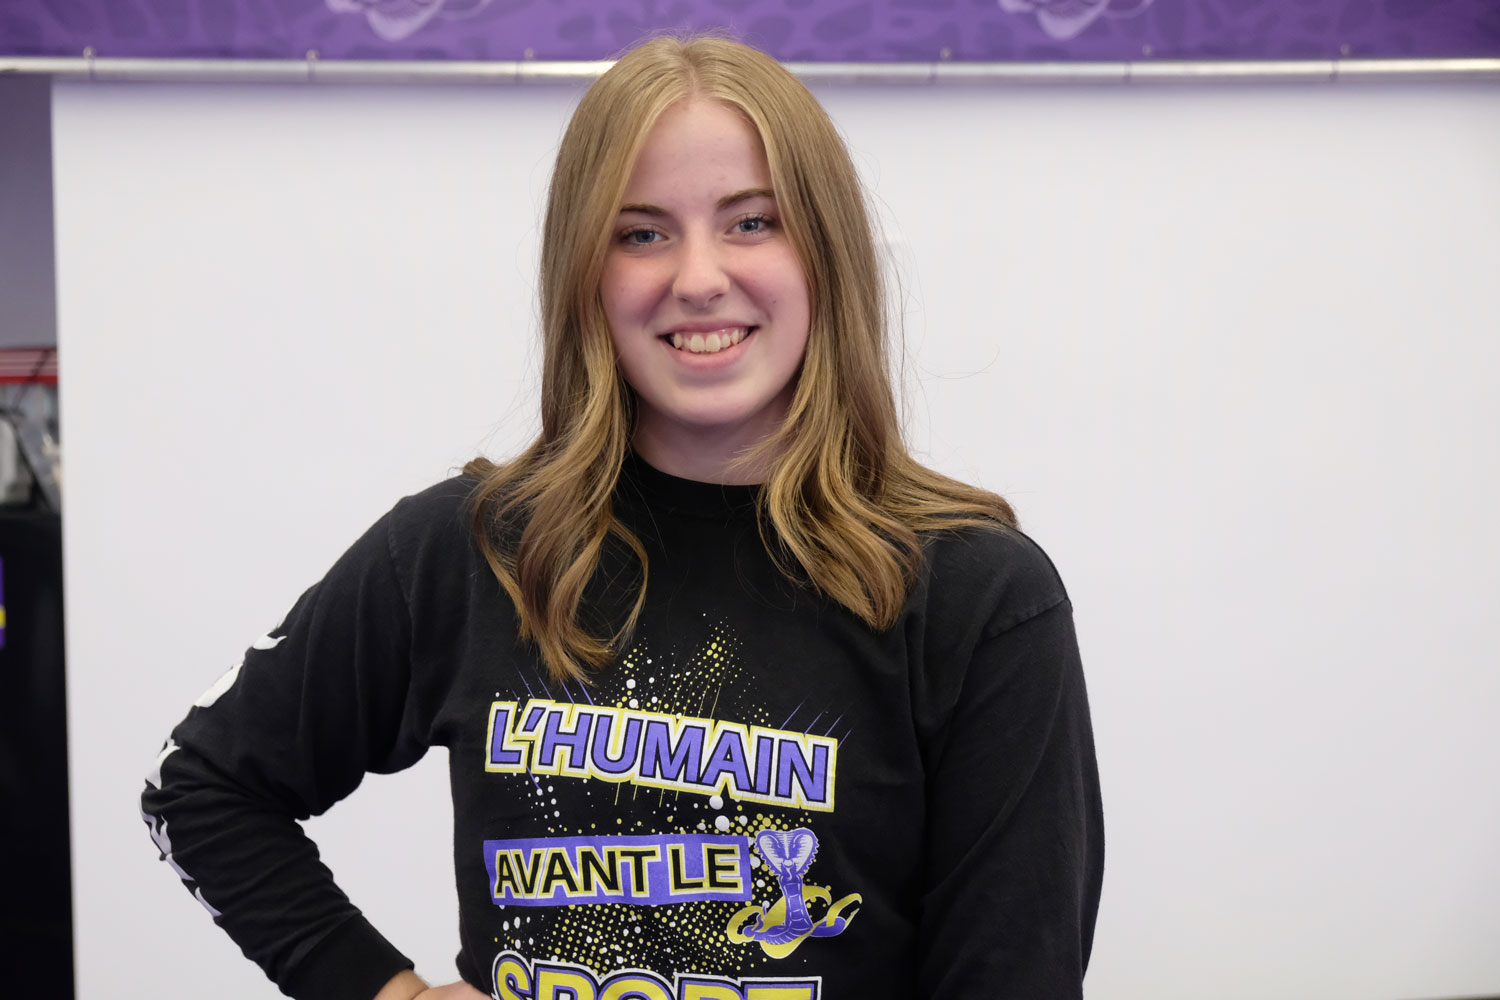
(225, 682)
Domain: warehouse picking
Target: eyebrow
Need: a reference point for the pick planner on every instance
(723, 203)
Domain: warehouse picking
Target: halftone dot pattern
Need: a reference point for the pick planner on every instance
(708, 681)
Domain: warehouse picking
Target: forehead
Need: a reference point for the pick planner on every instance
(699, 146)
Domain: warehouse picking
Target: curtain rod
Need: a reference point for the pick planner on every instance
(352, 71)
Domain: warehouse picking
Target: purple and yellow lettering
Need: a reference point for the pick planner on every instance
(803, 989)
(561, 982)
(765, 757)
(610, 736)
(685, 754)
(674, 762)
(693, 988)
(634, 860)
(722, 872)
(503, 753)
(559, 873)
(635, 985)
(528, 870)
(649, 870)
(680, 879)
(505, 875)
(726, 761)
(517, 979)
(811, 776)
(556, 735)
(596, 871)
(512, 977)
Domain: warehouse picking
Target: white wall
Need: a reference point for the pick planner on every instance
(1232, 352)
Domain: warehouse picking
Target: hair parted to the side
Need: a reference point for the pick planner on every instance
(843, 501)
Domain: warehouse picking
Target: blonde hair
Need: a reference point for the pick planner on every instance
(843, 500)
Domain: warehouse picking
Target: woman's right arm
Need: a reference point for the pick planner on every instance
(315, 704)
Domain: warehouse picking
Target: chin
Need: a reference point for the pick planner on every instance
(715, 422)
(723, 417)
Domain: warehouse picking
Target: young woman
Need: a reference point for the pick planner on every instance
(742, 703)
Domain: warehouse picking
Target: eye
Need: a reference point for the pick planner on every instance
(639, 237)
(751, 224)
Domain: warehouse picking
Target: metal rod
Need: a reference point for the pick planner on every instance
(312, 69)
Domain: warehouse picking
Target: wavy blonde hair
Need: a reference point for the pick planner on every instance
(843, 500)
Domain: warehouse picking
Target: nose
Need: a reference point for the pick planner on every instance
(701, 278)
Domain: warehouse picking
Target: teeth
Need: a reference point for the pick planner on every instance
(698, 343)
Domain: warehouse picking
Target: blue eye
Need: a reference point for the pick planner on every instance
(639, 237)
(753, 224)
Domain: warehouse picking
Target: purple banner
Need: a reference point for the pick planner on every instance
(651, 871)
(798, 30)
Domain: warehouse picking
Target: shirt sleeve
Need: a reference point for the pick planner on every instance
(315, 704)
(1015, 845)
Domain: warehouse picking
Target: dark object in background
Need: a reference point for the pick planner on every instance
(36, 921)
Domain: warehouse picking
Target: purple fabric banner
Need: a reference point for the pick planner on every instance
(644, 870)
(800, 30)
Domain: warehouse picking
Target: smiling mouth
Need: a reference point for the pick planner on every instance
(709, 343)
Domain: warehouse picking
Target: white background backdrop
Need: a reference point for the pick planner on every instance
(1232, 352)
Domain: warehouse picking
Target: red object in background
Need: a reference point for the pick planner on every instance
(28, 364)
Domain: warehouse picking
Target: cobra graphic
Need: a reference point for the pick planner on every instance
(780, 929)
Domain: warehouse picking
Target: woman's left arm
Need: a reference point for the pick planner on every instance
(1015, 837)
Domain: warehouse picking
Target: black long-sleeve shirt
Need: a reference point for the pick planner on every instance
(760, 799)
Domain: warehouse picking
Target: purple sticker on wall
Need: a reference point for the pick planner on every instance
(795, 30)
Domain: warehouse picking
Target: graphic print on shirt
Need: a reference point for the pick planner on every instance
(517, 978)
(787, 924)
(661, 750)
(680, 839)
(155, 824)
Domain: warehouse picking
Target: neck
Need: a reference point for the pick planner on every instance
(705, 455)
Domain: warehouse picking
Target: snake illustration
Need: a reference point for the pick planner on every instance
(789, 853)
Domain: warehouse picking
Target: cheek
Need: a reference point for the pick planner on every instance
(613, 293)
(794, 294)
(780, 285)
(630, 288)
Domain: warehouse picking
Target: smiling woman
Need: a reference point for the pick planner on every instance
(844, 690)
(704, 294)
